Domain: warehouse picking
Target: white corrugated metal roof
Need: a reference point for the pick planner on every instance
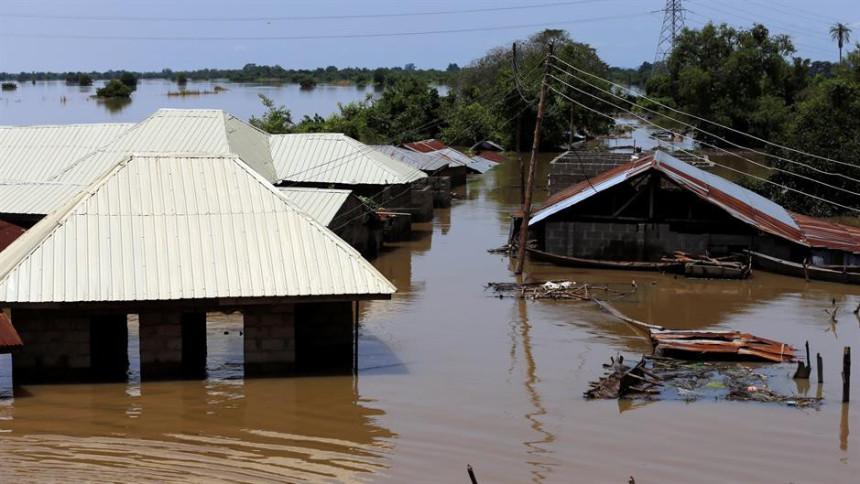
(168, 130)
(421, 161)
(181, 226)
(336, 158)
(35, 153)
(320, 203)
(481, 165)
(31, 155)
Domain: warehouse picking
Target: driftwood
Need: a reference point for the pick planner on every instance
(657, 378)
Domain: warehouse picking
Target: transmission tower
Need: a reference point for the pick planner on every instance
(673, 23)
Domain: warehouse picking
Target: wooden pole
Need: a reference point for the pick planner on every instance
(519, 143)
(471, 474)
(820, 366)
(846, 374)
(355, 340)
(527, 203)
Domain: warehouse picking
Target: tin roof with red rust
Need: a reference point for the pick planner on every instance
(743, 204)
(8, 233)
(426, 146)
(9, 338)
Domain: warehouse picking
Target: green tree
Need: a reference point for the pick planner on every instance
(114, 89)
(181, 79)
(841, 34)
(276, 119)
(738, 78)
(129, 80)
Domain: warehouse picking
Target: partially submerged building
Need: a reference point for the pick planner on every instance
(342, 212)
(442, 174)
(658, 204)
(170, 237)
(333, 160)
(438, 148)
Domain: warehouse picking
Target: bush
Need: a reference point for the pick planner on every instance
(114, 89)
(9, 86)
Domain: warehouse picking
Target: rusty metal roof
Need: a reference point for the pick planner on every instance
(8, 233)
(425, 146)
(9, 338)
(743, 204)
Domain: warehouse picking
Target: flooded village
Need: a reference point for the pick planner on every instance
(523, 270)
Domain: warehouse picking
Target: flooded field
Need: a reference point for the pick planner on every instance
(53, 102)
(450, 375)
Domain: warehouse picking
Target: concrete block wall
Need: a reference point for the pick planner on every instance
(56, 346)
(441, 186)
(617, 241)
(270, 340)
(567, 169)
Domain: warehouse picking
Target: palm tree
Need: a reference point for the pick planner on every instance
(841, 34)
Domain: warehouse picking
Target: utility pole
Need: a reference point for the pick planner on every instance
(673, 23)
(519, 128)
(527, 204)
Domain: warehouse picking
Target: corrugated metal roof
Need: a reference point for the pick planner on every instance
(426, 162)
(9, 338)
(336, 158)
(168, 130)
(425, 146)
(481, 165)
(36, 153)
(181, 226)
(457, 158)
(32, 155)
(739, 202)
(494, 156)
(320, 203)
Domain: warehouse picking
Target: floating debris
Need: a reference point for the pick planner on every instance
(553, 290)
(659, 378)
(697, 344)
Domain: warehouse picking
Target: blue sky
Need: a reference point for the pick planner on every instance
(49, 35)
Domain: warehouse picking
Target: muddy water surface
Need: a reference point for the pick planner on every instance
(450, 375)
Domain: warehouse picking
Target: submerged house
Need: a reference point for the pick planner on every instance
(171, 237)
(442, 174)
(342, 212)
(438, 148)
(658, 204)
(333, 160)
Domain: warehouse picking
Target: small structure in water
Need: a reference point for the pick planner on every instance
(438, 148)
(638, 212)
(334, 160)
(151, 237)
(343, 213)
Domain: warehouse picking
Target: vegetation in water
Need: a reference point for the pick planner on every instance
(9, 86)
(114, 88)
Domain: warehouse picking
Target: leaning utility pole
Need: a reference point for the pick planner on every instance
(673, 23)
(527, 204)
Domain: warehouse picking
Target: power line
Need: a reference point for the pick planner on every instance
(291, 17)
(317, 37)
(713, 123)
(697, 156)
(726, 151)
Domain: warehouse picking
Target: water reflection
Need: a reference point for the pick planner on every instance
(536, 448)
(114, 105)
(300, 430)
(843, 428)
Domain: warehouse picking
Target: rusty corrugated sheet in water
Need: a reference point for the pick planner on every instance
(702, 343)
(8, 233)
(9, 338)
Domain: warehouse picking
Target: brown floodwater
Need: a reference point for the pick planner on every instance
(450, 375)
